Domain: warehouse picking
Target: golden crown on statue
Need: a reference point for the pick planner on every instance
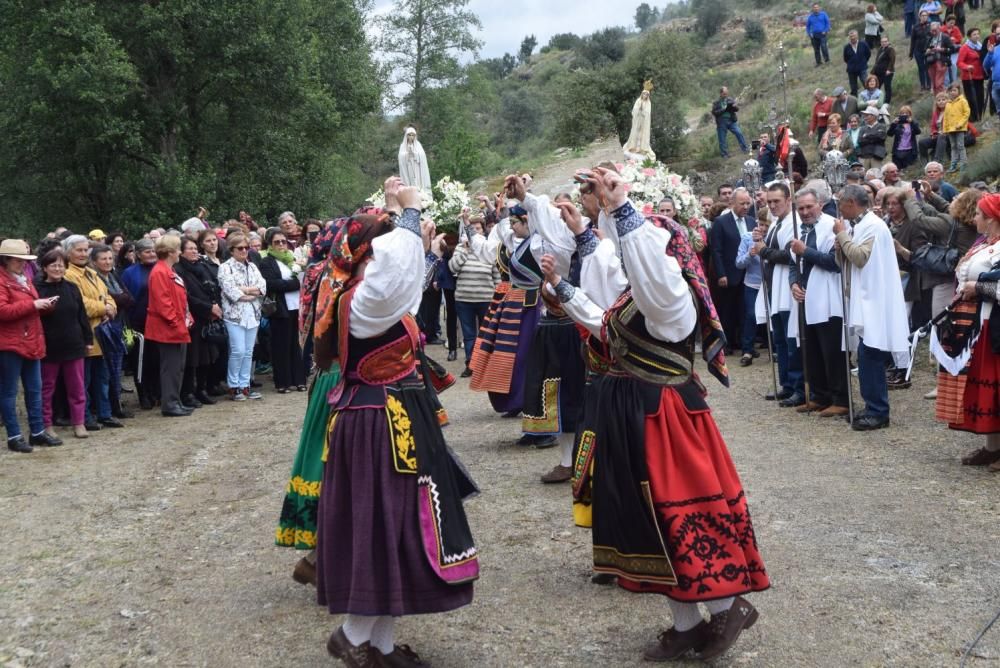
(648, 86)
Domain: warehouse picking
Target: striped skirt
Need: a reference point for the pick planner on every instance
(499, 358)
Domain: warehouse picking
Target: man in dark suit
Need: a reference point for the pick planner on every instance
(724, 242)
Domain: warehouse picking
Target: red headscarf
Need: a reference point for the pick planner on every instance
(990, 206)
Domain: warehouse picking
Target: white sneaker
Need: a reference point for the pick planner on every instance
(932, 394)
(251, 393)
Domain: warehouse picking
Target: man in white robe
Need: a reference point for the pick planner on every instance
(816, 290)
(876, 316)
(773, 251)
(413, 168)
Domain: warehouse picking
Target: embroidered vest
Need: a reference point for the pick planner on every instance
(641, 355)
(380, 360)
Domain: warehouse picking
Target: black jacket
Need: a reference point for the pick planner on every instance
(67, 327)
(724, 242)
(276, 285)
(202, 289)
(871, 141)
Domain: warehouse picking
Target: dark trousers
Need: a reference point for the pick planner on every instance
(794, 379)
(451, 320)
(95, 377)
(827, 370)
(729, 304)
(286, 356)
(909, 19)
(925, 78)
(886, 81)
(975, 94)
(429, 313)
(471, 315)
(820, 48)
(172, 357)
(148, 387)
(857, 80)
(749, 319)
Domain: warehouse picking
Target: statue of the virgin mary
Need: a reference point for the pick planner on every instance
(413, 161)
(637, 146)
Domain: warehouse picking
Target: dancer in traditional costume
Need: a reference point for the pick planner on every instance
(499, 360)
(670, 515)
(968, 344)
(554, 379)
(393, 538)
(297, 524)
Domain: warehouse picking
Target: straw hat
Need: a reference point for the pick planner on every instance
(15, 248)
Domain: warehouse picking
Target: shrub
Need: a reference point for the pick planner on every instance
(983, 165)
(755, 33)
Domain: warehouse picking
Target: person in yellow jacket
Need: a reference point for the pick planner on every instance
(100, 307)
(954, 125)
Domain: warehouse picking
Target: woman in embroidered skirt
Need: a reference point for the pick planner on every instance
(393, 538)
(968, 345)
(499, 360)
(669, 512)
(297, 524)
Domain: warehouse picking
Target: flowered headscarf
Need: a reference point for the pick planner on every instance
(713, 337)
(318, 266)
(351, 246)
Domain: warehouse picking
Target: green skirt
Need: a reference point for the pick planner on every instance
(297, 526)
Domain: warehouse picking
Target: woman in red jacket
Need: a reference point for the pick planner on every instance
(970, 68)
(22, 346)
(167, 323)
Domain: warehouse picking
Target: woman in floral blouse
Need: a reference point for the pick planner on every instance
(243, 290)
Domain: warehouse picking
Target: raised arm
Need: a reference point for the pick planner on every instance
(393, 281)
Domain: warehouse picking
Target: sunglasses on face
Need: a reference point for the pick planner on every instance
(279, 242)
(240, 248)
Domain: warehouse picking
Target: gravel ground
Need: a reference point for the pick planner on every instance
(154, 545)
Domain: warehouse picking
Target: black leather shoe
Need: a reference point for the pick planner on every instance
(45, 439)
(869, 422)
(467, 373)
(188, 401)
(111, 423)
(123, 414)
(216, 391)
(546, 442)
(176, 411)
(146, 404)
(17, 444)
(204, 398)
(452, 355)
(93, 426)
(782, 394)
(792, 401)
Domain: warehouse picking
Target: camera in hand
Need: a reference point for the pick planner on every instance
(755, 144)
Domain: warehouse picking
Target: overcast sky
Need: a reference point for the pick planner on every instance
(505, 24)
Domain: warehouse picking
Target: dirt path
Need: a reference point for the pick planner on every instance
(153, 545)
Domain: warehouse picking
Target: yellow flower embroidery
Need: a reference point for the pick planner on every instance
(304, 488)
(404, 450)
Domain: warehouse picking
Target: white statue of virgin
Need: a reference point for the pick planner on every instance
(637, 146)
(413, 161)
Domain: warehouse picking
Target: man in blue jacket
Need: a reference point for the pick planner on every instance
(909, 15)
(817, 28)
(856, 56)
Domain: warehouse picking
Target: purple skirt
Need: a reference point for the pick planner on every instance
(370, 555)
(514, 400)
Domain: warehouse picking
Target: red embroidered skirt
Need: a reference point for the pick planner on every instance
(980, 410)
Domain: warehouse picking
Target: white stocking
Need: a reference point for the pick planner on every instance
(686, 615)
(723, 604)
(311, 557)
(358, 628)
(382, 634)
(993, 442)
(566, 449)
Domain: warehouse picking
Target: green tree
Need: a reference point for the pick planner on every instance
(528, 45)
(421, 42)
(646, 17)
(604, 47)
(140, 112)
(711, 15)
(566, 41)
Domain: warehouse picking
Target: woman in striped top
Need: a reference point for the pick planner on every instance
(475, 283)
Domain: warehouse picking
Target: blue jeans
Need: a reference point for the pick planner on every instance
(241, 342)
(872, 364)
(470, 315)
(749, 318)
(909, 21)
(794, 379)
(14, 371)
(724, 127)
(96, 379)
